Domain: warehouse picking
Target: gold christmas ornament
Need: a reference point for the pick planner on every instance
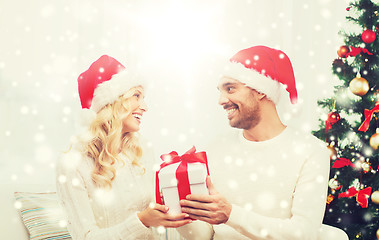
(377, 234)
(374, 141)
(359, 86)
(334, 184)
(366, 167)
(332, 152)
(375, 197)
(329, 199)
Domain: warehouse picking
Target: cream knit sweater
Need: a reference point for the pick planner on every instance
(98, 214)
(277, 187)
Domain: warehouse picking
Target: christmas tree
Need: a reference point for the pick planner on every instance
(351, 128)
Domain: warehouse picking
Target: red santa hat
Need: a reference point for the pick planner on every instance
(104, 81)
(265, 70)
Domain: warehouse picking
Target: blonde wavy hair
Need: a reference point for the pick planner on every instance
(109, 141)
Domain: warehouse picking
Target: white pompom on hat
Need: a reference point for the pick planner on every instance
(264, 69)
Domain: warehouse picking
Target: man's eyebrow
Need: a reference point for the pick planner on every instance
(227, 84)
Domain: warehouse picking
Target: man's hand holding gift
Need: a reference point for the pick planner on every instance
(213, 208)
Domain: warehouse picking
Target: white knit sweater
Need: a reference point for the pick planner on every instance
(100, 214)
(277, 187)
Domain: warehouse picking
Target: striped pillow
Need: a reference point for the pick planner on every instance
(42, 215)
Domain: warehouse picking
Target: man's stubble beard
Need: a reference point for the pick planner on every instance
(249, 117)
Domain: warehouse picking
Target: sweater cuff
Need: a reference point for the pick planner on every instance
(140, 224)
(134, 225)
(237, 217)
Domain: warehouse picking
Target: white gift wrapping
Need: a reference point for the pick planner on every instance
(197, 173)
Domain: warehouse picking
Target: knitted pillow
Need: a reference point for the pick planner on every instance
(42, 215)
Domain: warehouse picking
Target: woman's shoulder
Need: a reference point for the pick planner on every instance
(74, 161)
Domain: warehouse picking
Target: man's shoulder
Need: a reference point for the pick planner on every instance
(306, 139)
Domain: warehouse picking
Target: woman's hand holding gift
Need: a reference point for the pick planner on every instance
(157, 215)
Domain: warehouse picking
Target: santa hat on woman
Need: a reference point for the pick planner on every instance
(104, 81)
(264, 69)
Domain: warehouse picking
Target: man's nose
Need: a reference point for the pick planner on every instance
(222, 99)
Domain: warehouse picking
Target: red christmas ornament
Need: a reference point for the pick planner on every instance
(368, 36)
(343, 51)
(333, 117)
(348, 9)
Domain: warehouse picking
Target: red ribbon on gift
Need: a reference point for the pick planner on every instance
(191, 156)
(362, 196)
(333, 118)
(355, 51)
(368, 117)
(342, 162)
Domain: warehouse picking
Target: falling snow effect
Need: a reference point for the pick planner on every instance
(39, 66)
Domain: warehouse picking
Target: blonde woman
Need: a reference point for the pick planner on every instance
(105, 182)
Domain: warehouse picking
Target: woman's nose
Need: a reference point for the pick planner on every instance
(143, 105)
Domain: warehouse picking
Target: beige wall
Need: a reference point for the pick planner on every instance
(45, 45)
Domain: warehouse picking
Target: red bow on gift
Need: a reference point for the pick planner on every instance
(191, 156)
(342, 162)
(361, 195)
(368, 117)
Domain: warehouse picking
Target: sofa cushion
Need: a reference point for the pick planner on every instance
(42, 215)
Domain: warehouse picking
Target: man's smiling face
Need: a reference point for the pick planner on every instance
(240, 102)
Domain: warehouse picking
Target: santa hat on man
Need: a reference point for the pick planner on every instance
(104, 81)
(264, 69)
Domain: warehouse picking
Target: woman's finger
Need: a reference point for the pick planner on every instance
(176, 224)
(175, 217)
(159, 207)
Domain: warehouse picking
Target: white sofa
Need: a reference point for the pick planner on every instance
(33, 196)
(12, 226)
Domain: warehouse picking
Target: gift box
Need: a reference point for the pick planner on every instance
(179, 176)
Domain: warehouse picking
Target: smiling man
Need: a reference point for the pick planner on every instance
(271, 180)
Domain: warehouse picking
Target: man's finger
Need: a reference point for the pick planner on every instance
(198, 212)
(194, 204)
(199, 198)
(211, 188)
(201, 218)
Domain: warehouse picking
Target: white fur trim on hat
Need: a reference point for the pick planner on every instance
(109, 91)
(253, 79)
(87, 116)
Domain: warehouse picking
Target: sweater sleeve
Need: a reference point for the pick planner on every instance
(73, 194)
(307, 209)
